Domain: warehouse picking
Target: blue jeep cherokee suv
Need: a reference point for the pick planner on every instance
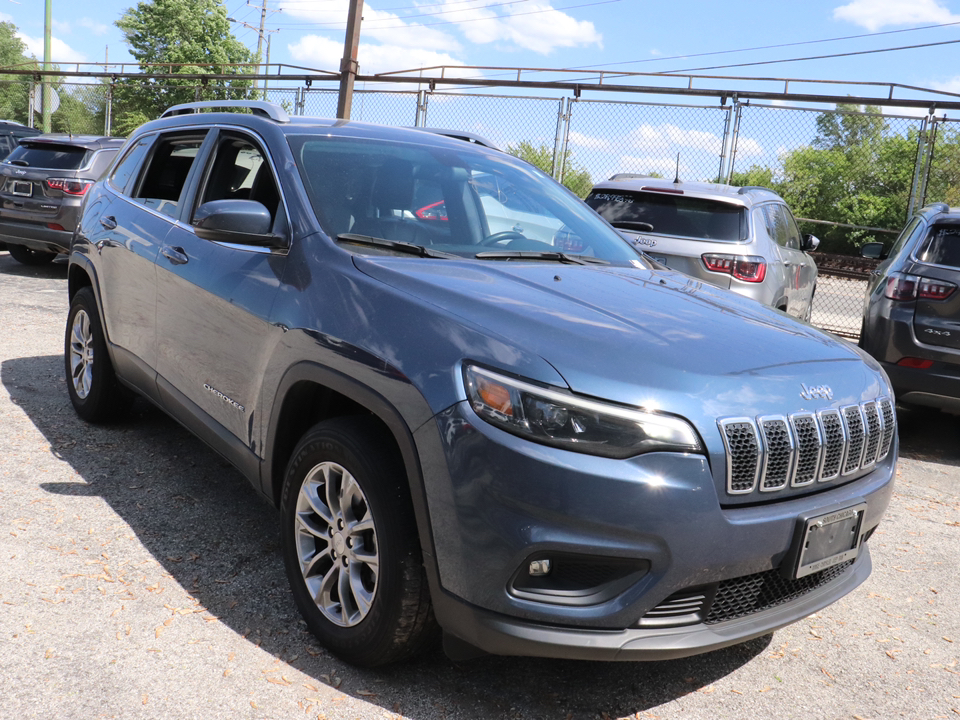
(468, 430)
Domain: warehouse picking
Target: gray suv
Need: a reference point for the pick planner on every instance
(469, 430)
(911, 312)
(42, 184)
(743, 239)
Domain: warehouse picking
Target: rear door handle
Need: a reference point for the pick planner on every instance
(175, 255)
(109, 222)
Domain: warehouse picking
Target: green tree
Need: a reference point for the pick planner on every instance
(575, 177)
(14, 89)
(178, 37)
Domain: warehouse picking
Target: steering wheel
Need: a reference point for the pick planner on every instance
(499, 237)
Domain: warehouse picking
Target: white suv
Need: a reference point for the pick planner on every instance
(742, 239)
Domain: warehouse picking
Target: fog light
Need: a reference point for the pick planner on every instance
(539, 568)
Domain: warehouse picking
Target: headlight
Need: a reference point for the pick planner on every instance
(565, 421)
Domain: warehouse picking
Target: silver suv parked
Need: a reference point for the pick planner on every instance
(742, 239)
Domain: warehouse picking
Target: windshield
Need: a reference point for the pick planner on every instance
(672, 214)
(465, 201)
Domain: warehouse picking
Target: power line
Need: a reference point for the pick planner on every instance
(813, 57)
(765, 47)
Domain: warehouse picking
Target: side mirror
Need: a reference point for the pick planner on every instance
(872, 250)
(809, 243)
(246, 222)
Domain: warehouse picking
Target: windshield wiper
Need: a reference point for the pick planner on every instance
(531, 255)
(404, 247)
(637, 225)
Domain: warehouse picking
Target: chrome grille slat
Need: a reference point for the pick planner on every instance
(773, 452)
(809, 448)
(856, 437)
(835, 439)
(874, 432)
(779, 452)
(743, 454)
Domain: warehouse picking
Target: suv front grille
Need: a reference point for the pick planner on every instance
(775, 452)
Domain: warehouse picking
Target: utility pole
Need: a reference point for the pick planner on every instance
(47, 58)
(348, 65)
(263, 20)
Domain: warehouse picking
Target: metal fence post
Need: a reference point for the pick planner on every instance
(931, 146)
(560, 161)
(32, 100)
(108, 110)
(557, 139)
(917, 165)
(723, 171)
(737, 110)
(422, 99)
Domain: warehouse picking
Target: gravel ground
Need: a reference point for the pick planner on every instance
(141, 578)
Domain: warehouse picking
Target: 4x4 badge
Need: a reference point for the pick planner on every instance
(818, 391)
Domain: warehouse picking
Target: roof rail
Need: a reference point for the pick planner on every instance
(939, 206)
(630, 176)
(258, 107)
(469, 137)
(749, 188)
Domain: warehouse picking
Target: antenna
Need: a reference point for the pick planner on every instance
(676, 178)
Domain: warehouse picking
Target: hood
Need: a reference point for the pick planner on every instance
(642, 337)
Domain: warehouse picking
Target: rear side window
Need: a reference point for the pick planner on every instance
(942, 246)
(166, 173)
(672, 214)
(48, 156)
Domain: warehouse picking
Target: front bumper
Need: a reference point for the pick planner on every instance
(501, 635)
(498, 502)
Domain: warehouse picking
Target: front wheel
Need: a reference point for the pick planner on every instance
(350, 545)
(28, 256)
(96, 394)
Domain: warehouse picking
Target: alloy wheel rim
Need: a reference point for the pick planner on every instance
(337, 545)
(81, 354)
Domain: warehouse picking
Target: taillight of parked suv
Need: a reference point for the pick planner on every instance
(749, 268)
(913, 287)
(69, 186)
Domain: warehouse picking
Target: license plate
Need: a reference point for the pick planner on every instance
(829, 540)
(23, 189)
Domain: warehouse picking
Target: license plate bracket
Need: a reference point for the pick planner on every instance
(22, 188)
(829, 539)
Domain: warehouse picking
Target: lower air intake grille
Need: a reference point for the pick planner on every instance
(753, 593)
(736, 598)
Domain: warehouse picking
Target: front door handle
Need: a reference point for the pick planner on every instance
(175, 255)
(109, 222)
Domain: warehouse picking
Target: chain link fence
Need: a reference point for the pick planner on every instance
(851, 175)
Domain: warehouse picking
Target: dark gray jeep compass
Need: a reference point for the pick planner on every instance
(535, 446)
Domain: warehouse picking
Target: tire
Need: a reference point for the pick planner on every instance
(28, 256)
(368, 546)
(96, 394)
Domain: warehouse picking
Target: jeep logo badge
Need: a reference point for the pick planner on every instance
(818, 391)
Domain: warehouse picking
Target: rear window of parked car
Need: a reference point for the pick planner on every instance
(672, 214)
(942, 247)
(48, 156)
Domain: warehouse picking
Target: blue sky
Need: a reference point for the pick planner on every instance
(629, 35)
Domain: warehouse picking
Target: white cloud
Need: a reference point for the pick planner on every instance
(383, 26)
(536, 27)
(587, 141)
(97, 28)
(325, 54)
(6, 18)
(59, 50)
(876, 14)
